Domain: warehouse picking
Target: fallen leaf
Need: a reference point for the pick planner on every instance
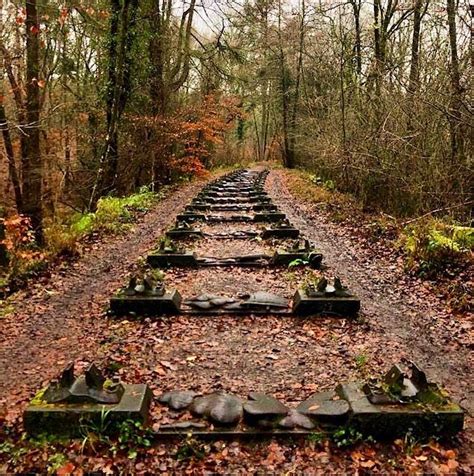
(65, 470)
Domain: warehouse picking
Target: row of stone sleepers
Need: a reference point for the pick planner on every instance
(242, 191)
(387, 407)
(383, 408)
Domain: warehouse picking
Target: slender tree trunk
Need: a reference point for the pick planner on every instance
(299, 72)
(358, 41)
(31, 160)
(122, 24)
(3, 249)
(288, 158)
(12, 171)
(456, 90)
(378, 49)
(415, 48)
(7, 140)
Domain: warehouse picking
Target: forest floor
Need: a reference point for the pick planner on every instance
(63, 318)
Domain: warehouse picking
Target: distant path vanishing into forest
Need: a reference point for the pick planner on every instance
(63, 319)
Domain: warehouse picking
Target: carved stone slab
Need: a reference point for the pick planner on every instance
(347, 406)
(69, 403)
(340, 306)
(178, 233)
(395, 420)
(166, 260)
(169, 303)
(270, 217)
(265, 207)
(280, 233)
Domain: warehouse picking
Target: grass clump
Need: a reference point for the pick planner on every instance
(113, 215)
(434, 247)
(316, 190)
(62, 236)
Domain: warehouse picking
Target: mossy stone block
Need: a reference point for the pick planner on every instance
(66, 419)
(388, 421)
(169, 303)
(284, 258)
(167, 260)
(343, 306)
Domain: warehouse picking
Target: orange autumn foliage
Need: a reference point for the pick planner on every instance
(184, 141)
(20, 238)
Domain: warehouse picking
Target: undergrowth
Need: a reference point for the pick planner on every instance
(114, 215)
(432, 247)
(435, 249)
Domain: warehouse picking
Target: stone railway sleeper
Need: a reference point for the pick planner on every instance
(384, 408)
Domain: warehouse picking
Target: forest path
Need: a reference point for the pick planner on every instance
(396, 307)
(61, 320)
(64, 320)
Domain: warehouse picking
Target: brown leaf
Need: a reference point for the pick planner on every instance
(65, 470)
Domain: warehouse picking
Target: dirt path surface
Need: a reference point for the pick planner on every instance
(397, 308)
(287, 357)
(62, 320)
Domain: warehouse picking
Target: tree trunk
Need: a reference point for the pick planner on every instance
(122, 25)
(12, 172)
(378, 49)
(415, 48)
(296, 95)
(288, 158)
(456, 90)
(7, 140)
(358, 41)
(31, 161)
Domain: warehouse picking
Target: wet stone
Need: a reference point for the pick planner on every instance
(261, 407)
(183, 425)
(294, 419)
(325, 407)
(191, 217)
(288, 232)
(304, 304)
(177, 399)
(166, 260)
(269, 217)
(263, 299)
(222, 409)
(265, 207)
(141, 305)
(70, 402)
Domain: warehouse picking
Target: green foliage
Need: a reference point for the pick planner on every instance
(84, 224)
(156, 275)
(317, 437)
(433, 246)
(56, 461)
(190, 448)
(62, 237)
(297, 262)
(113, 215)
(327, 184)
(348, 436)
(131, 437)
(12, 451)
(361, 360)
